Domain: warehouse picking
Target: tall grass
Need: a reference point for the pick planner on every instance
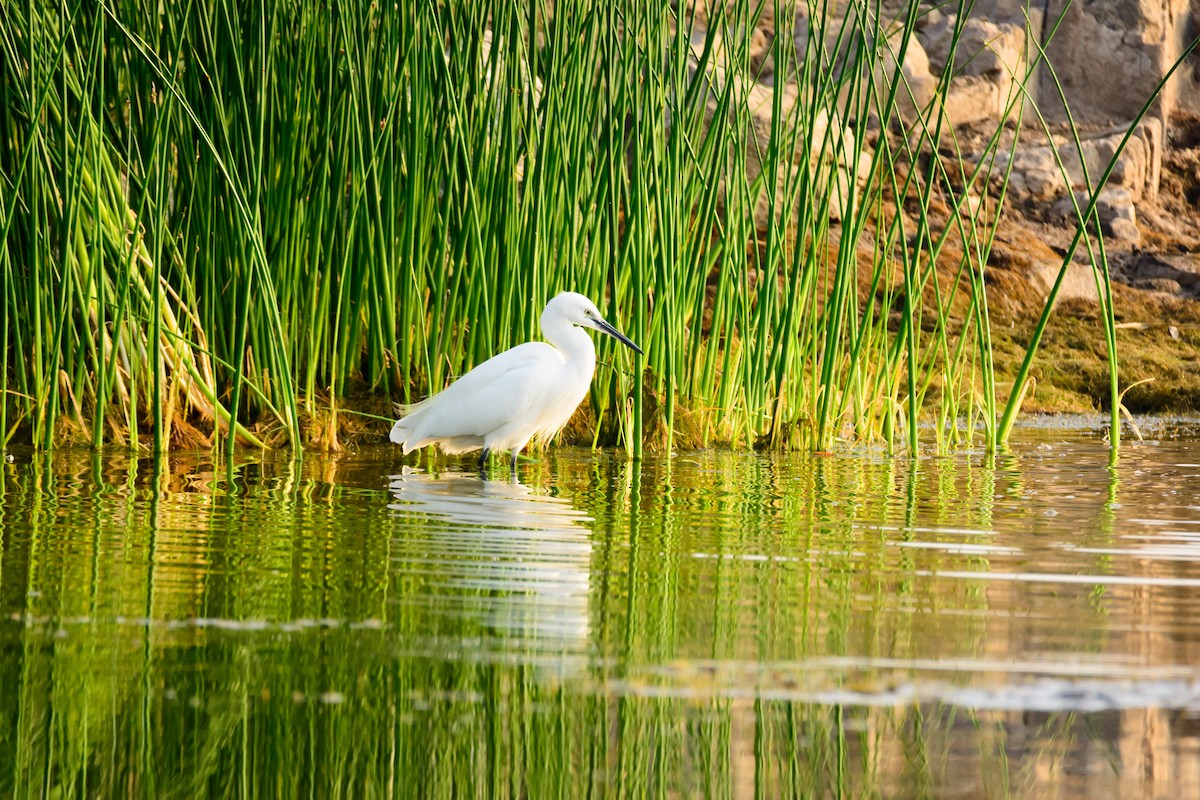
(241, 219)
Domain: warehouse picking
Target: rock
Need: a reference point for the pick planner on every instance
(1118, 217)
(1035, 174)
(828, 150)
(1165, 285)
(1175, 274)
(919, 87)
(1186, 82)
(1024, 252)
(1123, 230)
(1043, 184)
(984, 48)
(1078, 284)
(1130, 43)
(1138, 168)
(1108, 56)
(1027, 18)
(971, 100)
(1114, 207)
(987, 61)
(973, 205)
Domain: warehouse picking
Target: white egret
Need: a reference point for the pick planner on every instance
(530, 390)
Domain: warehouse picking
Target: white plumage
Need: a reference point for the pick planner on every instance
(530, 390)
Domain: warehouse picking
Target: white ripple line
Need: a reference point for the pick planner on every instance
(1055, 577)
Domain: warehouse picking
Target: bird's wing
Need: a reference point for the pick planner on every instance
(492, 394)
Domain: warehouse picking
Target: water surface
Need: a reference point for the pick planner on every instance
(707, 624)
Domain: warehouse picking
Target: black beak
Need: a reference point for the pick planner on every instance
(616, 334)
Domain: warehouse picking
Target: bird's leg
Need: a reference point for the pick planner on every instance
(483, 459)
(514, 462)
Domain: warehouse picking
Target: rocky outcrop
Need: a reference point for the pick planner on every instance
(1102, 60)
(1172, 274)
(836, 165)
(1062, 178)
(986, 61)
(1110, 55)
(990, 87)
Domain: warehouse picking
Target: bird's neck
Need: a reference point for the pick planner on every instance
(575, 345)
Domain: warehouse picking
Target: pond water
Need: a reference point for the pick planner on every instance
(710, 624)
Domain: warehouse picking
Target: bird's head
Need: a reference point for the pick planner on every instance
(578, 310)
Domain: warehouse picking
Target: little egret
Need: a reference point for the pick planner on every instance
(530, 390)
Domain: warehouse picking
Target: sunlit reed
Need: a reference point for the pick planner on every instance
(221, 225)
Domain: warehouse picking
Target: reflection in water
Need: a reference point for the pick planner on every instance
(708, 624)
(521, 559)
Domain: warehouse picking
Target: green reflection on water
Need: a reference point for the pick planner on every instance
(713, 625)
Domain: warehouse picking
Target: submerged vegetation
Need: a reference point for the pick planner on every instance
(228, 223)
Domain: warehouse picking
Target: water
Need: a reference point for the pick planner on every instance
(712, 624)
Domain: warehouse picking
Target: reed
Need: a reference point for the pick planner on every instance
(223, 223)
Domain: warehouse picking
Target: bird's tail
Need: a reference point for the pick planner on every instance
(399, 434)
(404, 409)
(404, 426)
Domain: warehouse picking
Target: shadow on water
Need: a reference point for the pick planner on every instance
(712, 624)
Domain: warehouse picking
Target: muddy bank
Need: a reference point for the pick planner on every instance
(1156, 295)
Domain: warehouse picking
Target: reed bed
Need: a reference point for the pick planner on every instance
(231, 223)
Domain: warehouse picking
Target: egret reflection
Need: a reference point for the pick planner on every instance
(516, 560)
